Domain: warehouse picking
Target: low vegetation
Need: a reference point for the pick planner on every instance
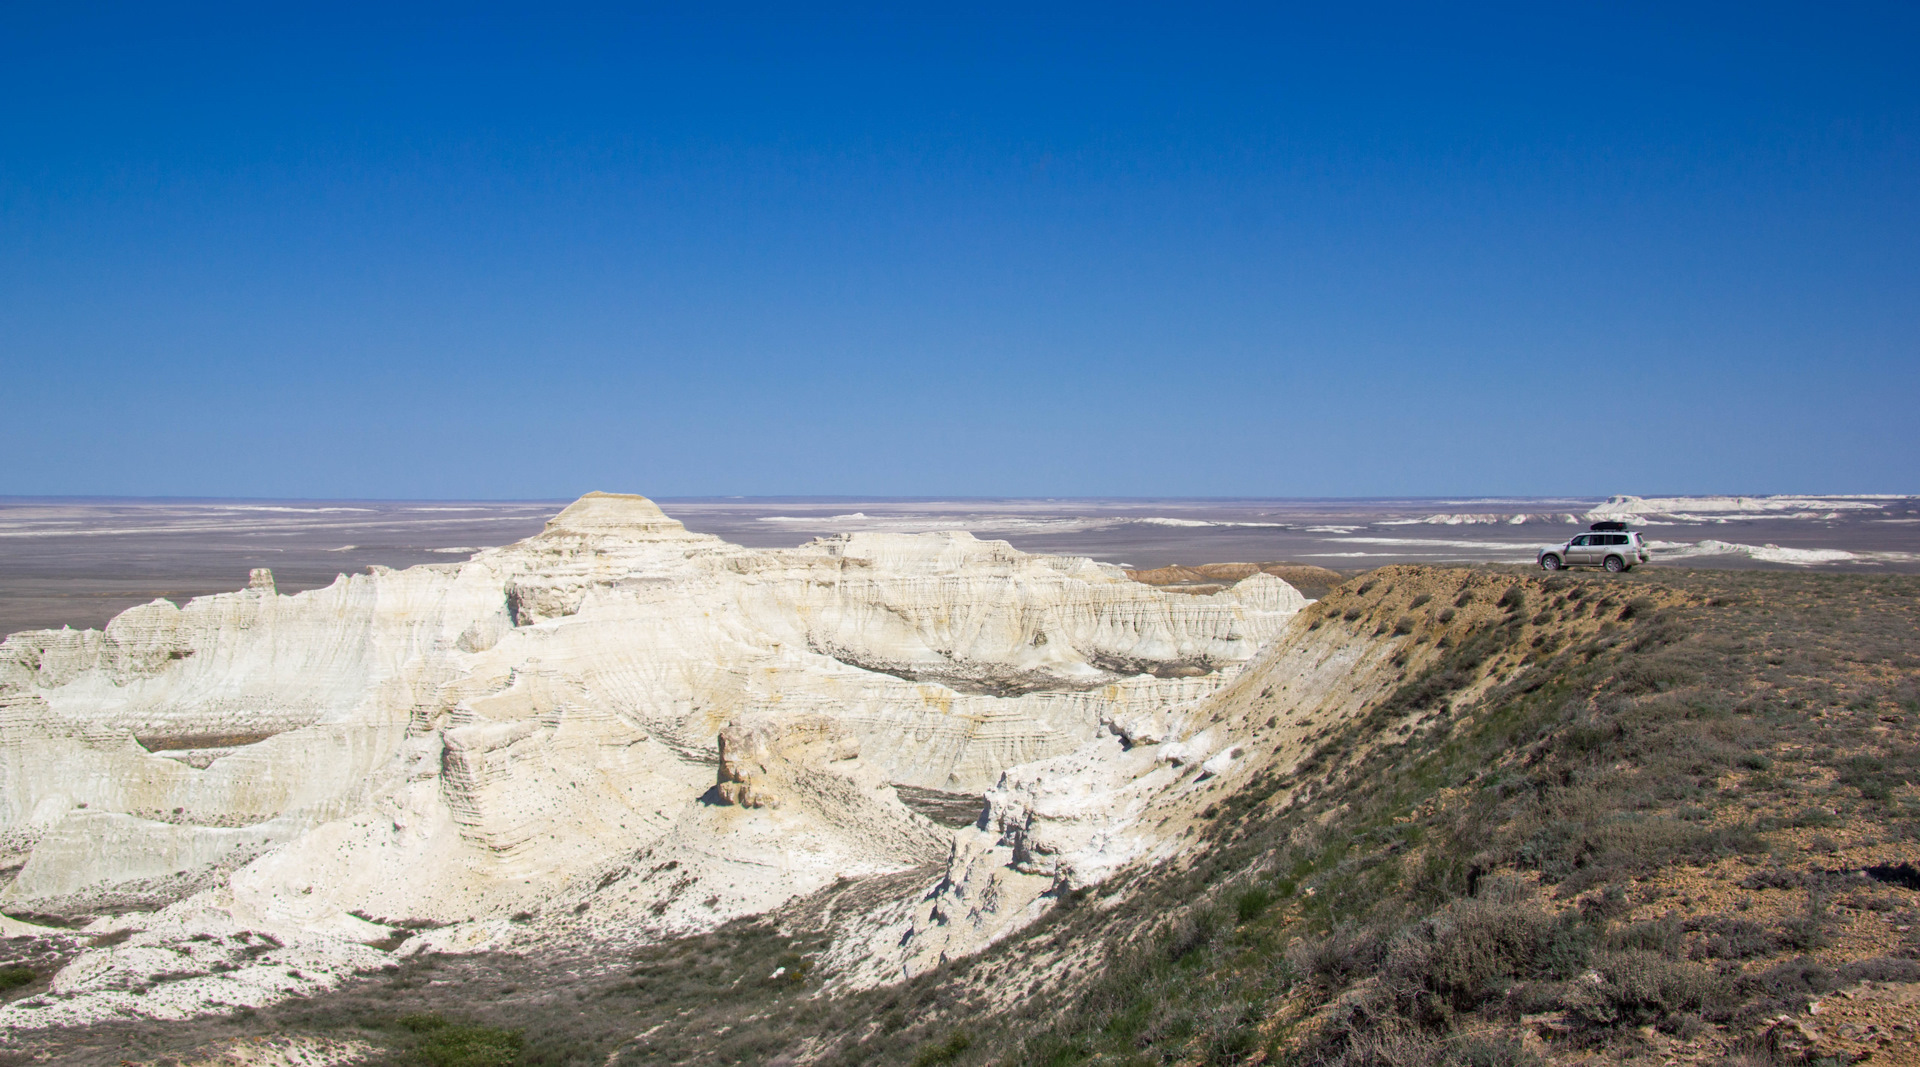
(439, 1042)
(1654, 842)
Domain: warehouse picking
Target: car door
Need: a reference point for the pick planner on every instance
(1612, 545)
(1580, 550)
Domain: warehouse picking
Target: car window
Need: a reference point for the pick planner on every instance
(1581, 541)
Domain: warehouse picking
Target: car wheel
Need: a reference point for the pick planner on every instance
(1615, 564)
(1549, 563)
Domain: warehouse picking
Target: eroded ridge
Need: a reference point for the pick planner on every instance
(616, 730)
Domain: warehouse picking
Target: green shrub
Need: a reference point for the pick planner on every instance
(1808, 929)
(1470, 952)
(444, 1043)
(1609, 903)
(1637, 606)
(1587, 736)
(1249, 904)
(1880, 969)
(1439, 876)
(1654, 674)
(1639, 988)
(1193, 932)
(1346, 953)
(1564, 951)
(1736, 939)
(1479, 1050)
(15, 977)
(1872, 776)
(1666, 935)
(945, 1051)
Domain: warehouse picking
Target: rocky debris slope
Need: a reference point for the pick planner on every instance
(616, 728)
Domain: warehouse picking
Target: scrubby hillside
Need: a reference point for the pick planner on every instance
(1479, 818)
(1679, 816)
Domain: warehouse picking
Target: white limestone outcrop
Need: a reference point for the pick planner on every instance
(615, 728)
(1139, 793)
(1719, 509)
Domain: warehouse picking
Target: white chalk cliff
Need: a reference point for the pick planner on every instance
(617, 728)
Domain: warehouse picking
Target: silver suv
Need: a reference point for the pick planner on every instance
(1609, 544)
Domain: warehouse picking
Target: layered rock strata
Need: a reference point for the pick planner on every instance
(615, 728)
(1139, 793)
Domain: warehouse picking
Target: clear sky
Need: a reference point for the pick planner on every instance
(473, 251)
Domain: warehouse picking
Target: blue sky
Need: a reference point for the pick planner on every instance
(476, 251)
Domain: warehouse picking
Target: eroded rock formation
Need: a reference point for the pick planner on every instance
(617, 728)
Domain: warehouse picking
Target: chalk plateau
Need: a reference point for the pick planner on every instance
(1720, 509)
(616, 729)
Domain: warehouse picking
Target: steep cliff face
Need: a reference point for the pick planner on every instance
(1138, 794)
(616, 728)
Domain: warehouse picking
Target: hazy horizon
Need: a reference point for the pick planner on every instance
(68, 561)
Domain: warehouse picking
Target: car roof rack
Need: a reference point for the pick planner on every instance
(1608, 524)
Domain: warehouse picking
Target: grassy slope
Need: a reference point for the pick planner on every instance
(1626, 849)
(1601, 816)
